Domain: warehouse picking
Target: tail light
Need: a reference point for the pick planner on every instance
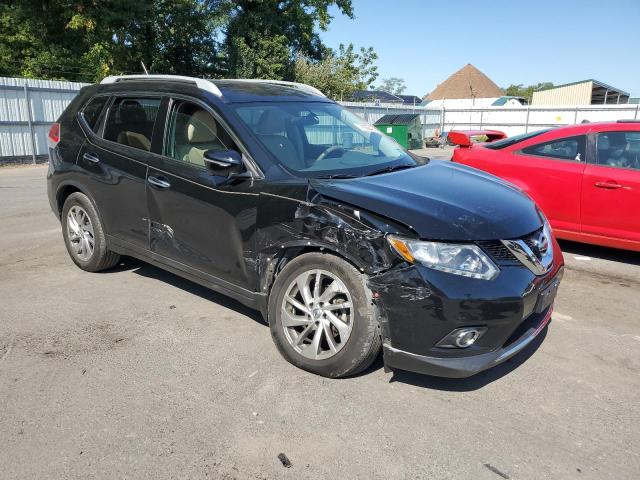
(54, 134)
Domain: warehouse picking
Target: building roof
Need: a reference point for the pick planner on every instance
(468, 82)
(397, 119)
(503, 100)
(373, 95)
(596, 83)
(410, 99)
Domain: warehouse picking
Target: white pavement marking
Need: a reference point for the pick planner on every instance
(581, 258)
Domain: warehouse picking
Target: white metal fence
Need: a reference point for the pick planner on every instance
(28, 107)
(27, 110)
(511, 120)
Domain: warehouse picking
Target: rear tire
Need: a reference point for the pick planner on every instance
(84, 235)
(331, 329)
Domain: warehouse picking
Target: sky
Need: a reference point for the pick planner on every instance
(516, 41)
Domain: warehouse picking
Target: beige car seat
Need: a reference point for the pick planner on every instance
(134, 122)
(271, 129)
(202, 135)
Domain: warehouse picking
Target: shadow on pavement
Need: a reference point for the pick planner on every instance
(147, 270)
(437, 383)
(603, 253)
(471, 383)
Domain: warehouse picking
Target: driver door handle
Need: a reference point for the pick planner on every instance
(608, 185)
(158, 182)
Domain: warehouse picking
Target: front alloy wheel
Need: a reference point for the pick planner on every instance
(321, 316)
(317, 314)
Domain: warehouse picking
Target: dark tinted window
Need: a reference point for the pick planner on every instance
(619, 149)
(91, 112)
(570, 148)
(506, 142)
(130, 121)
(193, 131)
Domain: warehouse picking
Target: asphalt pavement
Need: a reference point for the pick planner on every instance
(137, 373)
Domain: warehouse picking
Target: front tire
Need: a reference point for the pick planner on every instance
(84, 235)
(321, 316)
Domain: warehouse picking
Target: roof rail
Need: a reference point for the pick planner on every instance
(628, 121)
(201, 83)
(300, 86)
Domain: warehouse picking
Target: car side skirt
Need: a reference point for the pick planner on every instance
(254, 300)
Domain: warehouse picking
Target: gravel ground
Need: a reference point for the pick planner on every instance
(137, 373)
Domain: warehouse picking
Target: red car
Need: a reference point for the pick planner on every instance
(586, 178)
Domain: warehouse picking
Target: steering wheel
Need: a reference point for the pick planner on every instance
(329, 151)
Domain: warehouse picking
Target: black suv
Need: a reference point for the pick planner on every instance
(275, 195)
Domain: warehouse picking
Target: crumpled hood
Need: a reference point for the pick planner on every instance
(441, 201)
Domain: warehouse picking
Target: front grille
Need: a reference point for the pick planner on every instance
(501, 254)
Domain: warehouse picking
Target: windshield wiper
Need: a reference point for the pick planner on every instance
(337, 176)
(391, 168)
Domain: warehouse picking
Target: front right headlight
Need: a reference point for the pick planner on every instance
(463, 259)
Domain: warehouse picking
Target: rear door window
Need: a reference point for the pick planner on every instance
(130, 121)
(91, 112)
(570, 148)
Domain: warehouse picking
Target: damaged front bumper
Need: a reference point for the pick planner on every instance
(418, 307)
(464, 366)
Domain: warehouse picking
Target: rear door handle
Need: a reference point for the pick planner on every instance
(91, 157)
(158, 182)
(608, 185)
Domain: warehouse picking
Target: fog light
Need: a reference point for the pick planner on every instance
(462, 337)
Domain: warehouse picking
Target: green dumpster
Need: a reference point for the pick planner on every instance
(404, 128)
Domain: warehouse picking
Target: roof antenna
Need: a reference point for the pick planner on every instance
(146, 72)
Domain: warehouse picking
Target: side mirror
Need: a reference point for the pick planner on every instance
(223, 163)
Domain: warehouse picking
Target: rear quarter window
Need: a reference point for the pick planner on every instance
(92, 110)
(568, 148)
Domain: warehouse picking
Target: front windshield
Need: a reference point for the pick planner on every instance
(322, 139)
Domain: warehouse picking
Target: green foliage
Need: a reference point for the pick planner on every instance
(263, 37)
(339, 73)
(526, 92)
(85, 40)
(393, 85)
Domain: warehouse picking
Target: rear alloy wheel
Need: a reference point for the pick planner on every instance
(80, 233)
(84, 235)
(321, 316)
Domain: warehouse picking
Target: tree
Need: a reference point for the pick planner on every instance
(340, 73)
(520, 90)
(393, 85)
(85, 40)
(263, 37)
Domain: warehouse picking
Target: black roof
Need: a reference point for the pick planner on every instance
(228, 90)
(240, 91)
(410, 99)
(372, 95)
(397, 119)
